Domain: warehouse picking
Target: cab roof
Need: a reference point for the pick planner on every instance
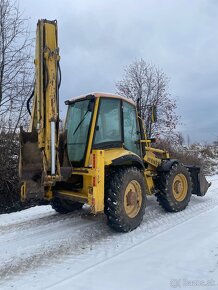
(102, 95)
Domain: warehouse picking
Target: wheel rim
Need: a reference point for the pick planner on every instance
(133, 199)
(180, 187)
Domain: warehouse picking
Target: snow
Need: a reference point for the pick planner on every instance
(41, 249)
(160, 261)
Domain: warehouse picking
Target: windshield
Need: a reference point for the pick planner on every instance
(77, 126)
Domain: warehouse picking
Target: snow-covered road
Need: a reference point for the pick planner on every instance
(40, 249)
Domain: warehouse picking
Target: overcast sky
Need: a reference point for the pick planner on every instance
(97, 38)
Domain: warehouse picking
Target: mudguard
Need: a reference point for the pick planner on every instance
(166, 165)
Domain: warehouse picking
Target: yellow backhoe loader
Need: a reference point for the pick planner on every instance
(102, 158)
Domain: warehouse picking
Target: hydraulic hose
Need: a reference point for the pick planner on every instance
(28, 102)
(59, 76)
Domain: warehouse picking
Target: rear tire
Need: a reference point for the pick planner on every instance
(64, 206)
(125, 199)
(175, 188)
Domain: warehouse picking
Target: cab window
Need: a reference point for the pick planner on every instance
(131, 128)
(108, 128)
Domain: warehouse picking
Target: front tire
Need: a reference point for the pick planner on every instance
(125, 199)
(64, 206)
(175, 188)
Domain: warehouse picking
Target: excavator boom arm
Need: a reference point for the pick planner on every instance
(39, 164)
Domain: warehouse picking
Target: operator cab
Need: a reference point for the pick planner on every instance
(105, 120)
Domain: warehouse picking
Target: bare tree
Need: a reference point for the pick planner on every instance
(15, 54)
(147, 84)
(16, 81)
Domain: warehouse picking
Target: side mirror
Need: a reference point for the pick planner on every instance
(154, 114)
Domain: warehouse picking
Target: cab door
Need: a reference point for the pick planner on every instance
(131, 129)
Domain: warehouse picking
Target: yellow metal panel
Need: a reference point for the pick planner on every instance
(149, 181)
(93, 184)
(111, 154)
(46, 58)
(154, 149)
(51, 56)
(76, 196)
(96, 192)
(151, 159)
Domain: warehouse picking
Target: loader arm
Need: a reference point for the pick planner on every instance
(39, 163)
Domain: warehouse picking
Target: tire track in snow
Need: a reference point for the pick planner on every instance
(184, 216)
(104, 261)
(80, 237)
(49, 252)
(39, 221)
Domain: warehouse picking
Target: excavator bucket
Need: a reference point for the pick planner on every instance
(200, 184)
(30, 166)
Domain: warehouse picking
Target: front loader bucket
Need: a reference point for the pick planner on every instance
(30, 166)
(200, 184)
